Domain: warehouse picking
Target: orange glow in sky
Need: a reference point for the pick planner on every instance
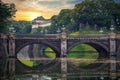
(32, 15)
(31, 9)
(26, 15)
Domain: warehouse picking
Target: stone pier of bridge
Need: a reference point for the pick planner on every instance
(113, 56)
(63, 37)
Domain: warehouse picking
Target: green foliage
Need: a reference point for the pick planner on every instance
(48, 54)
(87, 26)
(82, 58)
(21, 27)
(94, 12)
(28, 63)
(7, 11)
(82, 47)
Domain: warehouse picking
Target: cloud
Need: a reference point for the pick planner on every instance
(50, 4)
(74, 1)
(42, 7)
(46, 5)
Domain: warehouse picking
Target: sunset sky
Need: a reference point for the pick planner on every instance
(30, 9)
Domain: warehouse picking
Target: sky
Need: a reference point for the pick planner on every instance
(30, 9)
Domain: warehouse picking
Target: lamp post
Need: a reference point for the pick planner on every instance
(46, 31)
(58, 31)
(117, 21)
(63, 28)
(112, 28)
(80, 26)
(56, 24)
(41, 31)
(12, 30)
(102, 78)
(101, 31)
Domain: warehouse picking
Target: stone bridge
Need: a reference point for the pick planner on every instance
(108, 47)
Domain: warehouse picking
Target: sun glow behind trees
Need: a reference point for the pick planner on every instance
(46, 8)
(26, 16)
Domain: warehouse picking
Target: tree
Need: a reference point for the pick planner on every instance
(102, 13)
(7, 11)
(21, 27)
(99, 12)
(54, 24)
(116, 14)
(27, 29)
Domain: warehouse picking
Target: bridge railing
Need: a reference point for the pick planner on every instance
(3, 36)
(118, 36)
(96, 36)
(31, 36)
(57, 36)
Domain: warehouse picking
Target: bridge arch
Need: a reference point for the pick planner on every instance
(54, 48)
(98, 46)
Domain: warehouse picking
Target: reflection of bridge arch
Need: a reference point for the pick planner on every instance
(20, 66)
(102, 49)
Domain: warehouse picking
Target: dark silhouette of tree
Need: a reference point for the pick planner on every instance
(7, 11)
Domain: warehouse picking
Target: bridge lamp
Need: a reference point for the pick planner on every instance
(63, 28)
(41, 31)
(12, 30)
(46, 31)
(117, 21)
(101, 30)
(102, 78)
(58, 31)
(56, 24)
(35, 76)
(112, 28)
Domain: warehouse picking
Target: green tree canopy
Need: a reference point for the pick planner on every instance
(102, 13)
(21, 27)
(7, 11)
(96, 12)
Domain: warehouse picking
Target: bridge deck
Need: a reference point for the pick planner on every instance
(57, 36)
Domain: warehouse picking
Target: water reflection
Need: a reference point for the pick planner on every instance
(35, 77)
(70, 76)
(44, 77)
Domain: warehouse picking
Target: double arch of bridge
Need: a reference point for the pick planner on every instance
(103, 44)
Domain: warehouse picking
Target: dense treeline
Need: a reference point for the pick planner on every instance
(21, 27)
(96, 13)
